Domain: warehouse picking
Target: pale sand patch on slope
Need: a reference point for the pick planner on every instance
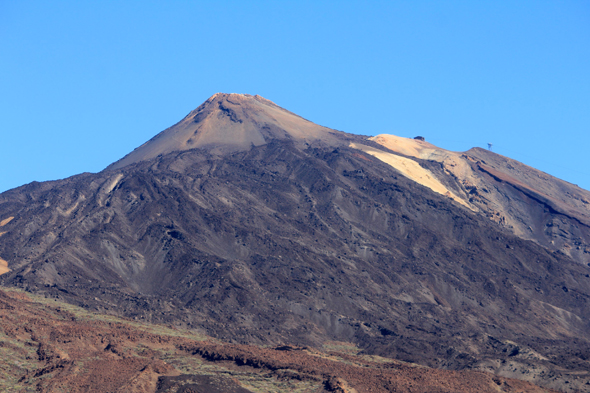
(412, 170)
(6, 221)
(452, 161)
(406, 146)
(3, 266)
(2, 233)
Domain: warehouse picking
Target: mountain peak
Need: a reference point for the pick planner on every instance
(227, 123)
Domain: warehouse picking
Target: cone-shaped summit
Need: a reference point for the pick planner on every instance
(230, 122)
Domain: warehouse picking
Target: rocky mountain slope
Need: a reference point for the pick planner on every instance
(291, 233)
(528, 202)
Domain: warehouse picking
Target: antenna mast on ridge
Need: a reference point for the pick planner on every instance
(489, 146)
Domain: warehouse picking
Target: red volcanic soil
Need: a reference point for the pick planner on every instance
(49, 347)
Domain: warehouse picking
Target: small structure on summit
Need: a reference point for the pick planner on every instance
(420, 138)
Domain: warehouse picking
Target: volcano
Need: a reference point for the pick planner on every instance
(255, 226)
(232, 122)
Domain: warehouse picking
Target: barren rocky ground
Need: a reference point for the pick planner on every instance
(48, 346)
(301, 239)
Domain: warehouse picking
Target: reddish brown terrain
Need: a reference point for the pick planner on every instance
(48, 346)
(248, 224)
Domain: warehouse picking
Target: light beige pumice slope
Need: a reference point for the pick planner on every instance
(452, 162)
(412, 170)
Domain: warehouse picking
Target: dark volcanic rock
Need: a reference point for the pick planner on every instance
(198, 383)
(293, 243)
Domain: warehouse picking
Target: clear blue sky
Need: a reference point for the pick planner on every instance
(83, 83)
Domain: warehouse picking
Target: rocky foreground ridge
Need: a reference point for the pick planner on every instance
(253, 225)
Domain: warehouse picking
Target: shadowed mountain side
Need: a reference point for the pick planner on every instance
(283, 245)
